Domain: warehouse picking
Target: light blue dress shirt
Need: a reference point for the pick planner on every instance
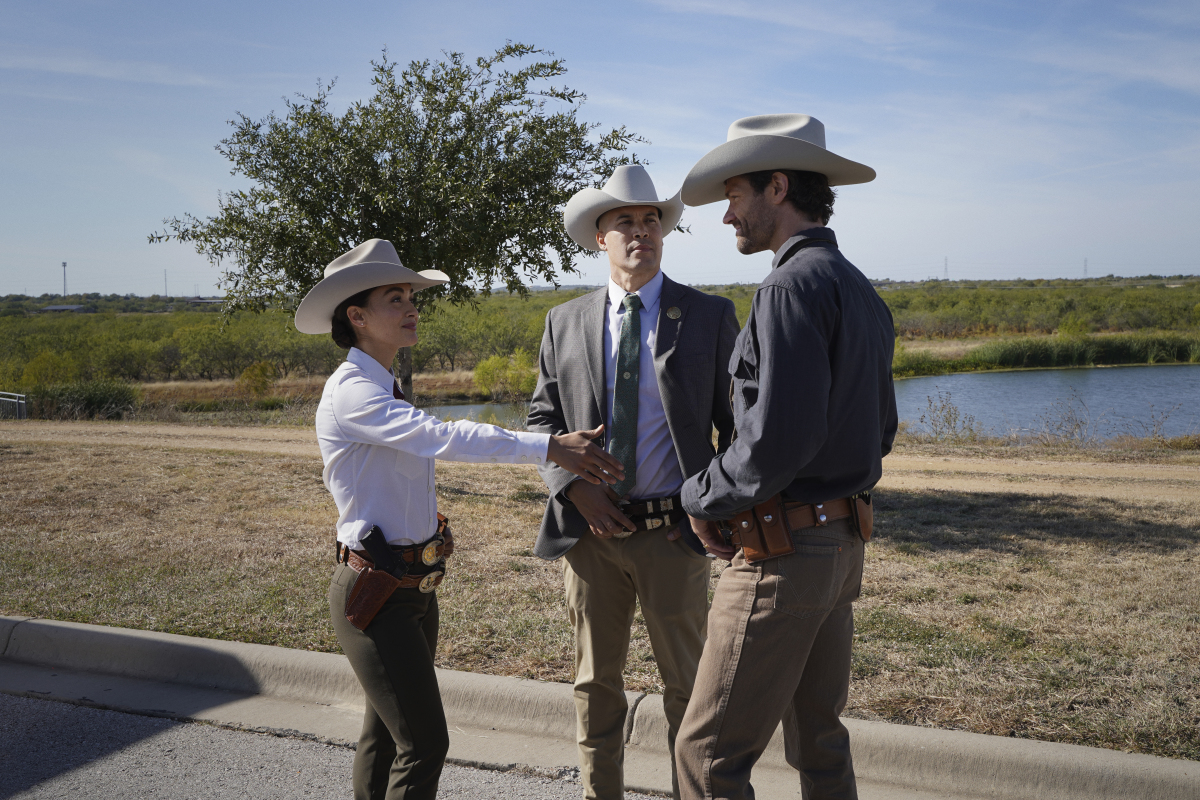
(658, 473)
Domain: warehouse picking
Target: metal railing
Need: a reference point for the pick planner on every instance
(12, 406)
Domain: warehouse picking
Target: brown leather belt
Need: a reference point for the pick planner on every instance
(808, 515)
(427, 581)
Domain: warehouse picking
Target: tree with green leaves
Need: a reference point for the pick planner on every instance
(464, 166)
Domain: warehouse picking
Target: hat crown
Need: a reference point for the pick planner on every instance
(379, 251)
(796, 126)
(631, 182)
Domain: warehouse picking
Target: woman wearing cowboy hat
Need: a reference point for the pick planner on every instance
(379, 456)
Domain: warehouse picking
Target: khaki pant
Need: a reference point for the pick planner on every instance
(605, 579)
(778, 649)
(404, 740)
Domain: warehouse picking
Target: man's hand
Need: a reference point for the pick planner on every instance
(710, 536)
(598, 506)
(576, 453)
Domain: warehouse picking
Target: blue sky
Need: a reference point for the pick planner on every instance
(1011, 138)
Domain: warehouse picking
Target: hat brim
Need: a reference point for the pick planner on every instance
(315, 313)
(582, 213)
(706, 181)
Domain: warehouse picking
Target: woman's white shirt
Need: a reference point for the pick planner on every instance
(379, 453)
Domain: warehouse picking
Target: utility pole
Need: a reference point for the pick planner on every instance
(166, 294)
(64, 280)
(1085, 267)
(947, 268)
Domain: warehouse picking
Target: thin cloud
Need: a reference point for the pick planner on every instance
(106, 69)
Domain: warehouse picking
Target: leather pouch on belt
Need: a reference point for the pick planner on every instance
(370, 591)
(864, 517)
(764, 532)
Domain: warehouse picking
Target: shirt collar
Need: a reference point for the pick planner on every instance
(375, 371)
(810, 233)
(649, 293)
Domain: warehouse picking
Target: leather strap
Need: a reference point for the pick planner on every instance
(809, 515)
(410, 554)
(358, 563)
(657, 505)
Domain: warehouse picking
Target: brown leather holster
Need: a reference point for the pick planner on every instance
(373, 587)
(765, 531)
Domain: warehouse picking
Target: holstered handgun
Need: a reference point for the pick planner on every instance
(374, 584)
(864, 514)
(763, 531)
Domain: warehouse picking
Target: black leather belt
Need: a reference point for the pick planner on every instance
(653, 514)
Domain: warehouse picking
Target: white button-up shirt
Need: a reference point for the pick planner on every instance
(658, 473)
(379, 453)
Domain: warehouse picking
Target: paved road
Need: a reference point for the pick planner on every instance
(57, 750)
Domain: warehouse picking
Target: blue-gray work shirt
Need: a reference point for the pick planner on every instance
(813, 401)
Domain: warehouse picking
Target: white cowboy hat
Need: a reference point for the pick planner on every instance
(769, 141)
(373, 263)
(629, 186)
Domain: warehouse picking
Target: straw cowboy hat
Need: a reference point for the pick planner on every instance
(373, 263)
(769, 141)
(629, 186)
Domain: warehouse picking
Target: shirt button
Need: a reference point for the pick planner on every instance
(625, 376)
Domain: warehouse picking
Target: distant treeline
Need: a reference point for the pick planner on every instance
(19, 305)
(193, 345)
(198, 344)
(1056, 351)
(943, 310)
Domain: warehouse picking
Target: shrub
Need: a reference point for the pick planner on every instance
(100, 399)
(47, 368)
(509, 378)
(258, 379)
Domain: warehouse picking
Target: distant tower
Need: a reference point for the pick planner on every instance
(64, 280)
(166, 294)
(946, 266)
(1085, 268)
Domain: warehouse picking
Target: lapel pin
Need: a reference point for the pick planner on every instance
(673, 312)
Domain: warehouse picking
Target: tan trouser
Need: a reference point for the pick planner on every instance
(605, 578)
(778, 646)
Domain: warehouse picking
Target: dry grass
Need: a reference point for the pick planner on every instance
(290, 402)
(1057, 617)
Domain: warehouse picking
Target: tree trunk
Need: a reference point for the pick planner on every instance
(404, 372)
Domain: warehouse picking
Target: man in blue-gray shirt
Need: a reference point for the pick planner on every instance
(815, 412)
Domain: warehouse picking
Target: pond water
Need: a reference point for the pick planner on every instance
(1111, 400)
(506, 415)
(1139, 401)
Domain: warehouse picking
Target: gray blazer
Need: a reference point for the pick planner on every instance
(691, 362)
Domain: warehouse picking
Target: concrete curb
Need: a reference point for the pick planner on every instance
(260, 687)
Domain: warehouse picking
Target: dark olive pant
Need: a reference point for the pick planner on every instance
(778, 649)
(404, 741)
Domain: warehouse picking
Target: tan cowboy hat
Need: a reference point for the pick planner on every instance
(373, 263)
(629, 186)
(769, 141)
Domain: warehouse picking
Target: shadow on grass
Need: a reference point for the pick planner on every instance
(1005, 523)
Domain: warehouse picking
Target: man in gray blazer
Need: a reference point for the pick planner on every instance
(648, 358)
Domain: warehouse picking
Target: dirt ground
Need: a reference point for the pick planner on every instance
(1036, 594)
(1173, 479)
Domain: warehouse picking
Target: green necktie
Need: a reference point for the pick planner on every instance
(622, 439)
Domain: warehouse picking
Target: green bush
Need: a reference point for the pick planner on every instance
(508, 378)
(99, 399)
(258, 378)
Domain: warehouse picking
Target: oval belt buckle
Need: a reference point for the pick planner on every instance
(429, 555)
(430, 582)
